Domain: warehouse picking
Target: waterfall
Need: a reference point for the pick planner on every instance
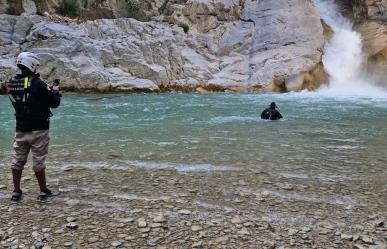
(343, 57)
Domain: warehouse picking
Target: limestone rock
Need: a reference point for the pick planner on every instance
(141, 223)
(184, 212)
(116, 243)
(231, 46)
(72, 225)
(236, 220)
(346, 237)
(153, 241)
(367, 240)
(370, 18)
(374, 35)
(369, 10)
(196, 228)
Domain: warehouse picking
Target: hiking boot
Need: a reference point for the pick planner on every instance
(17, 196)
(46, 194)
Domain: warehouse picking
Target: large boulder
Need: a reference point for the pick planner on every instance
(268, 43)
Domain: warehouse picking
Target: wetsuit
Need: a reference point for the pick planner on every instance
(271, 114)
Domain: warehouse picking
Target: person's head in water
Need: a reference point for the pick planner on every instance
(273, 105)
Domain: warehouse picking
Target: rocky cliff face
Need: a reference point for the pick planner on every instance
(370, 18)
(235, 45)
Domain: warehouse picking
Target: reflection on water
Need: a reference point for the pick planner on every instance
(319, 136)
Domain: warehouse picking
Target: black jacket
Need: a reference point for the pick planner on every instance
(34, 114)
(271, 114)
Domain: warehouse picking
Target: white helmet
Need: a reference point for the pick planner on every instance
(29, 60)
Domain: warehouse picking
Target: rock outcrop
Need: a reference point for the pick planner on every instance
(370, 18)
(240, 45)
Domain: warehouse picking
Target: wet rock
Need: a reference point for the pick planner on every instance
(72, 225)
(153, 241)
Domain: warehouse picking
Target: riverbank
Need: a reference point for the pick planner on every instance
(141, 208)
(203, 170)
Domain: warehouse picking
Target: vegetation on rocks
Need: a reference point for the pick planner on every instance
(14, 7)
(68, 8)
(184, 26)
(134, 10)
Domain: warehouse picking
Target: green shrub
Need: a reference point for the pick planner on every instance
(184, 26)
(10, 10)
(68, 8)
(14, 7)
(133, 10)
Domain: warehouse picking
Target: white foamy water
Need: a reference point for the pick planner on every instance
(343, 58)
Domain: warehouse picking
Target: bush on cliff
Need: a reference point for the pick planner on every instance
(134, 11)
(68, 8)
(184, 26)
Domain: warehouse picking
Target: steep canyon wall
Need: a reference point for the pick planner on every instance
(240, 45)
(370, 18)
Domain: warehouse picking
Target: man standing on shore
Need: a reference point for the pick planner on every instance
(32, 100)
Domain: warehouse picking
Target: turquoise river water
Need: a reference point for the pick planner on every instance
(320, 136)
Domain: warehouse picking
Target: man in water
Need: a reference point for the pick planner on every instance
(32, 100)
(271, 113)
